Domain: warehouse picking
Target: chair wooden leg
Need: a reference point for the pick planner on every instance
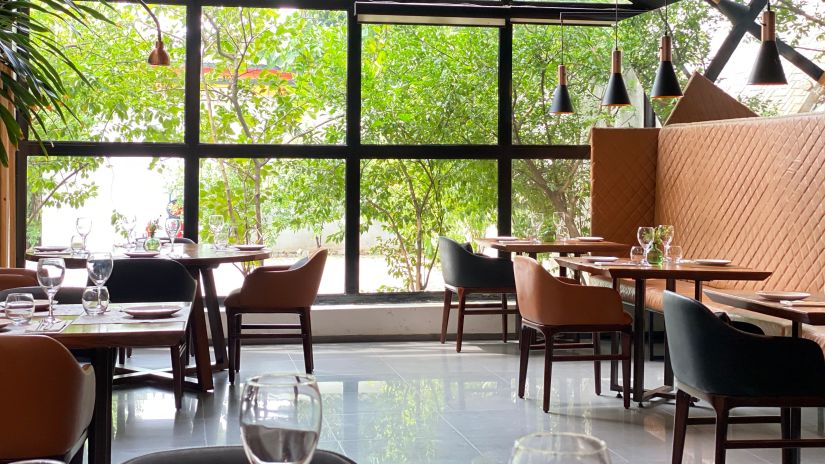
(627, 347)
(504, 317)
(650, 344)
(230, 332)
(524, 357)
(462, 299)
(680, 425)
(597, 365)
(548, 369)
(121, 355)
(238, 340)
(129, 352)
(445, 318)
(721, 432)
(177, 375)
(306, 334)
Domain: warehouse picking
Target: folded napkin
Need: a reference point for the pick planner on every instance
(45, 327)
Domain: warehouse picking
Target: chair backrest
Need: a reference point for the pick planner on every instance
(48, 397)
(545, 299)
(66, 295)
(462, 268)
(296, 287)
(150, 280)
(184, 240)
(16, 277)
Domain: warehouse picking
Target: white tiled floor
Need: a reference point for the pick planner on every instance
(424, 403)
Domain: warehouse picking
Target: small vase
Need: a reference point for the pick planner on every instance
(655, 256)
(151, 244)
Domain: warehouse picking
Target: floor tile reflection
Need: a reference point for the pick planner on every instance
(424, 403)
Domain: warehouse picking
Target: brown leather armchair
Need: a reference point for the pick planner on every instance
(552, 305)
(275, 290)
(16, 277)
(38, 420)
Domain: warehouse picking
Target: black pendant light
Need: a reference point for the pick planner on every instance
(768, 68)
(561, 97)
(666, 85)
(616, 92)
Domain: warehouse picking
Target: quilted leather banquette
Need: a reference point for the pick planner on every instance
(749, 190)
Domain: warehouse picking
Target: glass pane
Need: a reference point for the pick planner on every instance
(292, 206)
(407, 204)
(61, 189)
(429, 85)
(273, 76)
(542, 187)
(128, 100)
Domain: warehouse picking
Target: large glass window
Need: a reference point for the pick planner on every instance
(429, 85)
(275, 76)
(127, 100)
(407, 204)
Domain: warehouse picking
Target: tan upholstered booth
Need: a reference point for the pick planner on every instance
(16, 277)
(750, 190)
(48, 400)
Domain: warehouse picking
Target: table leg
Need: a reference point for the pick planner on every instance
(639, 342)
(100, 429)
(670, 284)
(793, 455)
(213, 309)
(197, 321)
(614, 349)
(697, 290)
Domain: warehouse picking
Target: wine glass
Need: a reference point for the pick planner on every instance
(559, 219)
(99, 265)
(172, 225)
(552, 448)
(666, 234)
(50, 273)
(83, 225)
(129, 223)
(215, 222)
(645, 236)
(280, 418)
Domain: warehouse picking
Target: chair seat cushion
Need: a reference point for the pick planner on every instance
(654, 290)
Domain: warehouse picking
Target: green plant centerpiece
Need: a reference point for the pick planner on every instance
(151, 243)
(656, 255)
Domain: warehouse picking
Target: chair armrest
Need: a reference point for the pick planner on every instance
(569, 281)
(484, 271)
(271, 268)
(599, 305)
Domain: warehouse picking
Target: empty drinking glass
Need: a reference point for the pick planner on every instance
(645, 236)
(19, 308)
(77, 245)
(99, 265)
(666, 234)
(637, 254)
(129, 223)
(562, 234)
(280, 418)
(675, 254)
(215, 224)
(84, 227)
(558, 448)
(95, 300)
(50, 273)
(172, 226)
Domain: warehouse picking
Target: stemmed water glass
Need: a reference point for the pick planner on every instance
(99, 265)
(560, 224)
(280, 418)
(50, 273)
(551, 448)
(215, 222)
(172, 225)
(666, 234)
(83, 225)
(645, 236)
(129, 223)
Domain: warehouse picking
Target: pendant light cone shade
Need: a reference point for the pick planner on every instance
(616, 92)
(666, 84)
(562, 104)
(768, 68)
(159, 56)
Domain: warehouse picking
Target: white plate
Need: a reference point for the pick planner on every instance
(712, 262)
(141, 254)
(590, 239)
(151, 311)
(50, 248)
(789, 296)
(4, 322)
(503, 238)
(252, 247)
(600, 259)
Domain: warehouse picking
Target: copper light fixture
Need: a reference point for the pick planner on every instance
(616, 92)
(768, 68)
(666, 85)
(158, 56)
(561, 97)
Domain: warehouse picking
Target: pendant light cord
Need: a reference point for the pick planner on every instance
(616, 26)
(561, 17)
(667, 26)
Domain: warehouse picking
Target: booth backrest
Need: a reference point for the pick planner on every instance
(750, 190)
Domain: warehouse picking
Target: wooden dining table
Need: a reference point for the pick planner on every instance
(669, 272)
(200, 260)
(98, 337)
(798, 315)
